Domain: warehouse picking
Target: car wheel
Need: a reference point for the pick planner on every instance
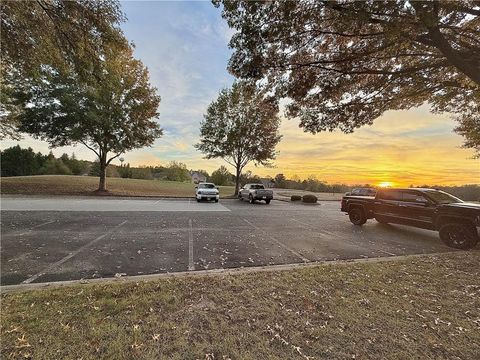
(216, 200)
(240, 197)
(459, 235)
(251, 200)
(357, 216)
(267, 201)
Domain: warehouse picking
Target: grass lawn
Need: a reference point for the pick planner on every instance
(85, 185)
(423, 308)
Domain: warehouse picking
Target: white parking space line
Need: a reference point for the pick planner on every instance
(36, 226)
(191, 265)
(300, 256)
(69, 256)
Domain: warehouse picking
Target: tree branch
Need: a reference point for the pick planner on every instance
(91, 148)
(113, 157)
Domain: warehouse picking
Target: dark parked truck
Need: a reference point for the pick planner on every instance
(456, 221)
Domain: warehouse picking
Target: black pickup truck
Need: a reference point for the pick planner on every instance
(456, 221)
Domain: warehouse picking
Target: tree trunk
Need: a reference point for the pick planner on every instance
(237, 180)
(103, 173)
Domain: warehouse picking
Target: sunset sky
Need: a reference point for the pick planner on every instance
(184, 45)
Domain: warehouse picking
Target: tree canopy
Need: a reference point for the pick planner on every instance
(240, 126)
(114, 115)
(342, 64)
(469, 128)
(221, 176)
(57, 33)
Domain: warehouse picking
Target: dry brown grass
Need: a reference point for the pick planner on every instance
(420, 308)
(86, 185)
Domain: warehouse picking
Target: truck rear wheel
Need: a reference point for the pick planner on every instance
(357, 216)
(459, 235)
(251, 200)
(267, 201)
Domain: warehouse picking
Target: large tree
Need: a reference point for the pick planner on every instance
(344, 63)
(111, 116)
(57, 33)
(469, 127)
(240, 126)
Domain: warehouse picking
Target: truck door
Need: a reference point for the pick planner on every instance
(416, 209)
(386, 205)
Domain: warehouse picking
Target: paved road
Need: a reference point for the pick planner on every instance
(58, 239)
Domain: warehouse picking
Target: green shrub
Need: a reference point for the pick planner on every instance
(295, 198)
(311, 199)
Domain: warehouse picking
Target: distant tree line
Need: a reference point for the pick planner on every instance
(16, 161)
(23, 162)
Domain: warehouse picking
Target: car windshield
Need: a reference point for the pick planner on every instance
(206, 186)
(441, 197)
(256, 186)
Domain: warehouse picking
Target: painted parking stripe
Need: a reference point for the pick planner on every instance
(69, 256)
(37, 226)
(191, 265)
(300, 256)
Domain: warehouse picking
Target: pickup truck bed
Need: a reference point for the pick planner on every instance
(456, 221)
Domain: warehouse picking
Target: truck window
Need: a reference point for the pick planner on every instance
(389, 195)
(412, 196)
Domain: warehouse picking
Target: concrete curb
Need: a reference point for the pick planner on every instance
(214, 272)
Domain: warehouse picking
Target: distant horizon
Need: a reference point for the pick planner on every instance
(288, 177)
(185, 47)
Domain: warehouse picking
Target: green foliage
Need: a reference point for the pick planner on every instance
(280, 181)
(95, 170)
(58, 32)
(54, 166)
(311, 199)
(240, 126)
(141, 173)
(177, 171)
(344, 63)
(248, 177)
(469, 128)
(295, 198)
(77, 167)
(16, 161)
(125, 171)
(116, 115)
(221, 176)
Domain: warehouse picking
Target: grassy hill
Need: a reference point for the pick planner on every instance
(86, 185)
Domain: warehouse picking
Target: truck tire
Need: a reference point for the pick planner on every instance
(357, 216)
(251, 200)
(240, 197)
(267, 201)
(459, 235)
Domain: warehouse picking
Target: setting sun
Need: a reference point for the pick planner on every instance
(385, 184)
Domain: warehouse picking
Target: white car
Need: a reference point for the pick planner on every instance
(206, 191)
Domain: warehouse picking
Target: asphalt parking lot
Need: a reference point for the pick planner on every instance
(54, 239)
